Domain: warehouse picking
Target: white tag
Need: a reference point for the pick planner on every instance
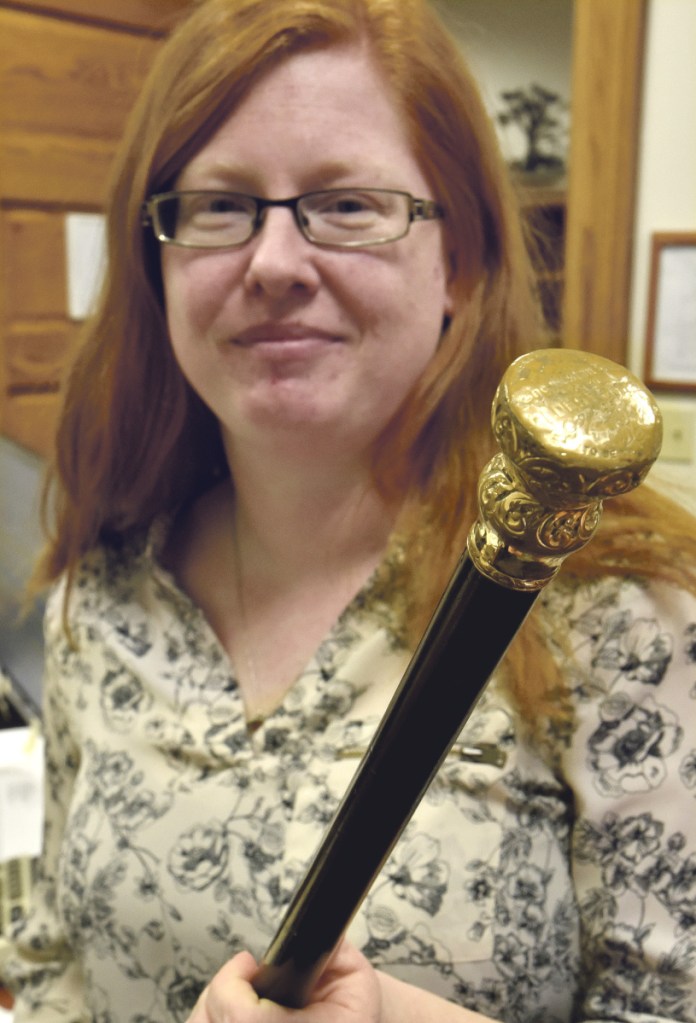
(21, 792)
(85, 245)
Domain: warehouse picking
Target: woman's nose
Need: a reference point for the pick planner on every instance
(281, 259)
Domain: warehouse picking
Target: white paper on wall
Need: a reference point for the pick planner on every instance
(21, 792)
(85, 245)
(675, 320)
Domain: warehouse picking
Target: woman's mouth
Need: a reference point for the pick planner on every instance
(294, 335)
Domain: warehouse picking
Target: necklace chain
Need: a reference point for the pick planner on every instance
(244, 642)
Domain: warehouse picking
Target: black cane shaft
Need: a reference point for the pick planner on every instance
(467, 637)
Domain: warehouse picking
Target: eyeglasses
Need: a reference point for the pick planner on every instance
(341, 217)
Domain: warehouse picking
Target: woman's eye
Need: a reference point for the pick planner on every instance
(347, 204)
(223, 205)
(217, 204)
(214, 213)
(351, 205)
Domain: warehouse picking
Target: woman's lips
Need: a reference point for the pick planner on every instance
(293, 334)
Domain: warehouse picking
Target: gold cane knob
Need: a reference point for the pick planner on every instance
(574, 429)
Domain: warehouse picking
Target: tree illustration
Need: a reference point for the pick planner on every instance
(534, 110)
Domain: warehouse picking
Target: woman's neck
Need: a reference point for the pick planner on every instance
(309, 518)
(266, 557)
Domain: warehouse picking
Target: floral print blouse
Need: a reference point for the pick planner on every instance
(545, 879)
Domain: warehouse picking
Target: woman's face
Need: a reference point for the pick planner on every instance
(305, 348)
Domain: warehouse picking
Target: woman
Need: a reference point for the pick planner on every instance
(266, 467)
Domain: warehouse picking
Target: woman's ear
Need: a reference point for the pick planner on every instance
(450, 291)
(452, 283)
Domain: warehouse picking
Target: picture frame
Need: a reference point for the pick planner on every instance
(670, 344)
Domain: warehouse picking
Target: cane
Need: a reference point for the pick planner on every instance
(574, 429)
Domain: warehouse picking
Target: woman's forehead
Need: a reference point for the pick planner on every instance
(325, 112)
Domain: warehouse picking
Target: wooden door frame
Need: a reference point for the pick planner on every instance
(608, 49)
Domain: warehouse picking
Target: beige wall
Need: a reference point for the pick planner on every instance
(510, 44)
(667, 179)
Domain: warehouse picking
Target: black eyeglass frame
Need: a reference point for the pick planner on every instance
(418, 209)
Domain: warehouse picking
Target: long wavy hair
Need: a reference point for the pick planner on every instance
(134, 441)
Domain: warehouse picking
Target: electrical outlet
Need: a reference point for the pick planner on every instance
(679, 426)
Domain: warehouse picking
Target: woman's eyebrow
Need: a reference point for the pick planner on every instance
(218, 174)
(238, 178)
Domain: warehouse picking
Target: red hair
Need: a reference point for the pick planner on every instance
(134, 441)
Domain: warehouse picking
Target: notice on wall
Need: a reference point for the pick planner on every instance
(21, 792)
(675, 327)
(85, 246)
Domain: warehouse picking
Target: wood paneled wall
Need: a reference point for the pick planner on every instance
(69, 73)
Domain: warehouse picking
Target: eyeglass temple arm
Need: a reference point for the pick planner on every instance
(426, 209)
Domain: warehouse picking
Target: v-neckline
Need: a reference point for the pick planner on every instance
(254, 723)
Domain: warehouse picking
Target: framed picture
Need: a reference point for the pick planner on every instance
(670, 346)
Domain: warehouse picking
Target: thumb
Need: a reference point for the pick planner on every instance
(231, 985)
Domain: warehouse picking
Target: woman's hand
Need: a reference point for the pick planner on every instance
(347, 992)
